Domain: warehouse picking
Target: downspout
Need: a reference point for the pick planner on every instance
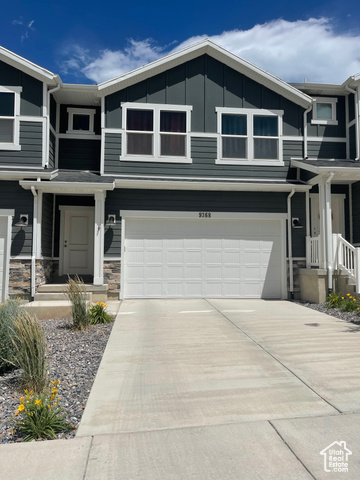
(305, 131)
(34, 241)
(329, 230)
(357, 133)
(291, 269)
(48, 123)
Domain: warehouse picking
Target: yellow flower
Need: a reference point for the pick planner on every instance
(52, 397)
(54, 390)
(16, 413)
(333, 299)
(342, 298)
(21, 399)
(19, 298)
(26, 392)
(97, 303)
(52, 382)
(348, 294)
(2, 304)
(57, 382)
(31, 392)
(38, 402)
(354, 299)
(21, 408)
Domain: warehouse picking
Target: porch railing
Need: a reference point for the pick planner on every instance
(313, 252)
(346, 257)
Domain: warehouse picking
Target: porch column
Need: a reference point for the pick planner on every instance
(99, 238)
(322, 221)
(328, 223)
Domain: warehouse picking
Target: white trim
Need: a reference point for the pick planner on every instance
(319, 121)
(82, 135)
(156, 133)
(315, 139)
(31, 118)
(90, 112)
(296, 258)
(99, 220)
(195, 215)
(15, 144)
(250, 113)
(176, 178)
(20, 257)
(37, 225)
(122, 269)
(347, 126)
(112, 259)
(9, 213)
(102, 152)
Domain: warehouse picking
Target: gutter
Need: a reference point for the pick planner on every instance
(48, 123)
(305, 131)
(357, 140)
(289, 225)
(34, 242)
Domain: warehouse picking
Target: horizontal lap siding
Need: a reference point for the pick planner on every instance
(52, 147)
(14, 197)
(112, 151)
(30, 154)
(79, 154)
(327, 150)
(191, 201)
(356, 211)
(47, 225)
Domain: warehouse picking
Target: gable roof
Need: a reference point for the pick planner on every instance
(29, 67)
(219, 53)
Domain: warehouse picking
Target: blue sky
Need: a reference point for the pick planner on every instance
(90, 43)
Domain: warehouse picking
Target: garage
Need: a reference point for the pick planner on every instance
(203, 255)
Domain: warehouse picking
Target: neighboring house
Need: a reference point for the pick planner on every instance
(198, 175)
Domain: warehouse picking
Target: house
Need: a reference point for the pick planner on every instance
(198, 175)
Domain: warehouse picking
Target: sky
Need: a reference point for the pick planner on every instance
(89, 43)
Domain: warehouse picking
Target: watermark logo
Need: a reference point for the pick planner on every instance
(336, 457)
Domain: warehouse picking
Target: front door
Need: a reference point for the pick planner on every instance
(77, 241)
(337, 214)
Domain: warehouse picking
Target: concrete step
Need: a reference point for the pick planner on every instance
(49, 309)
(97, 293)
(55, 296)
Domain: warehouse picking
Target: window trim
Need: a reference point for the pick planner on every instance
(80, 111)
(250, 113)
(156, 157)
(15, 145)
(320, 121)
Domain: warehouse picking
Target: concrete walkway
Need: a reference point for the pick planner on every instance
(211, 389)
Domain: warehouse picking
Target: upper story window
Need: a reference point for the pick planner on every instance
(81, 120)
(249, 135)
(9, 118)
(158, 133)
(324, 111)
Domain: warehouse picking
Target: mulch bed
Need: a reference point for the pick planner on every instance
(74, 358)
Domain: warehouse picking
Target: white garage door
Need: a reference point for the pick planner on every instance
(203, 258)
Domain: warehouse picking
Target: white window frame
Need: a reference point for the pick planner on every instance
(321, 121)
(156, 157)
(80, 111)
(15, 145)
(250, 113)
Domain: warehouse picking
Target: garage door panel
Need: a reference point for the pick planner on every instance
(192, 258)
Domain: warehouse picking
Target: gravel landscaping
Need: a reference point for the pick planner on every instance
(74, 358)
(334, 312)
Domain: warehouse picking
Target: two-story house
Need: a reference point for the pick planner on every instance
(198, 175)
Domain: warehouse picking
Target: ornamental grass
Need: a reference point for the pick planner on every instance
(40, 416)
(77, 294)
(9, 310)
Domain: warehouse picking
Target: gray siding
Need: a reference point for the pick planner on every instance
(47, 224)
(53, 107)
(204, 83)
(79, 154)
(298, 209)
(327, 150)
(203, 153)
(30, 154)
(352, 142)
(14, 196)
(338, 130)
(351, 107)
(171, 200)
(356, 211)
(32, 92)
(52, 148)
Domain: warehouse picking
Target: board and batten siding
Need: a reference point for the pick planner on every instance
(195, 201)
(339, 130)
(30, 155)
(204, 83)
(203, 154)
(79, 154)
(14, 196)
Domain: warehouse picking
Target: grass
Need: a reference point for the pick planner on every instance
(9, 310)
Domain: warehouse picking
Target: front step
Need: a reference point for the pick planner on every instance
(55, 296)
(49, 309)
(56, 292)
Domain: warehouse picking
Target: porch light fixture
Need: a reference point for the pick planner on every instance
(111, 220)
(296, 223)
(24, 220)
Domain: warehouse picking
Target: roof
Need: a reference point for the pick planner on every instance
(28, 67)
(219, 53)
(346, 170)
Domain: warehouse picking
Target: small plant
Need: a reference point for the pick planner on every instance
(30, 347)
(98, 314)
(347, 303)
(9, 310)
(77, 295)
(40, 416)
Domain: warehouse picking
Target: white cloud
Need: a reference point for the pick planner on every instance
(293, 51)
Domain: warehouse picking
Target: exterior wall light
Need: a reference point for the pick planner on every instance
(24, 220)
(111, 220)
(296, 223)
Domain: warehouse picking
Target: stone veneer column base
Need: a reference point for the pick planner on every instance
(20, 278)
(112, 270)
(297, 265)
(45, 271)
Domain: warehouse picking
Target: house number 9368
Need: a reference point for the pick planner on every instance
(204, 214)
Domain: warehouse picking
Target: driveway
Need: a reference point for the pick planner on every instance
(216, 389)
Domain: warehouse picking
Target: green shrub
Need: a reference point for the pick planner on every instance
(8, 310)
(30, 348)
(98, 314)
(77, 295)
(345, 302)
(40, 416)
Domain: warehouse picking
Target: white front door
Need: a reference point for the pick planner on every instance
(77, 240)
(5, 240)
(337, 214)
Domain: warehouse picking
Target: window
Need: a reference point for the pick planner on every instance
(81, 121)
(9, 118)
(248, 135)
(324, 111)
(156, 133)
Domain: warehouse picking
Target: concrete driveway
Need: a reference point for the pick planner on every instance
(220, 389)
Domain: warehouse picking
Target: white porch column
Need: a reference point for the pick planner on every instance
(328, 222)
(322, 221)
(99, 238)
